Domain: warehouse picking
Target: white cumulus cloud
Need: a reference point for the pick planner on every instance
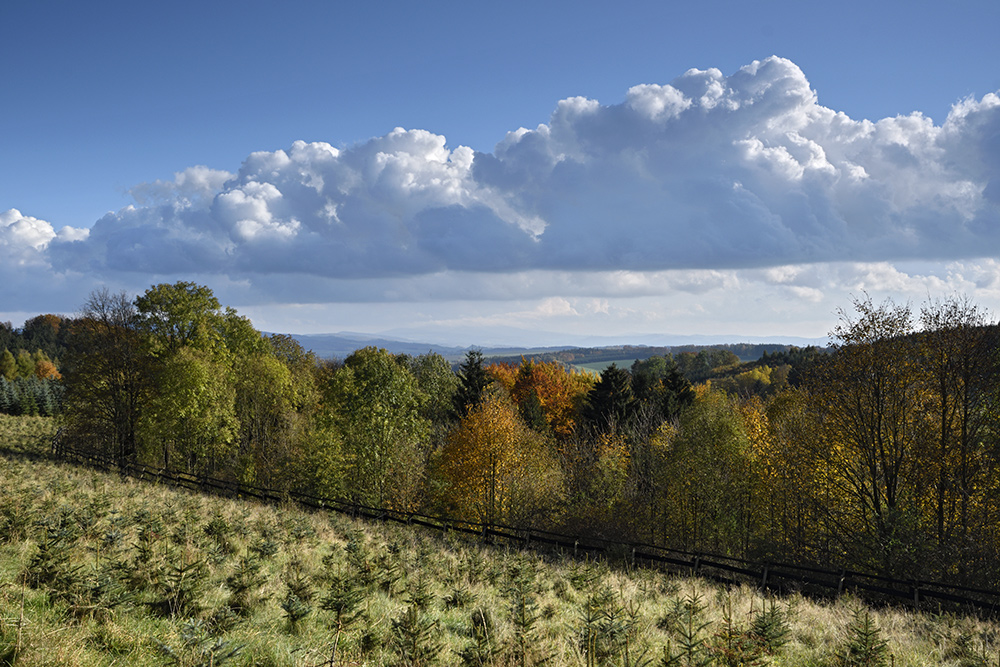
(704, 172)
(23, 238)
(676, 189)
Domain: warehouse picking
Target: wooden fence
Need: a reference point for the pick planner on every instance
(771, 575)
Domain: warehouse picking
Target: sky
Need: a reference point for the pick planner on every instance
(529, 173)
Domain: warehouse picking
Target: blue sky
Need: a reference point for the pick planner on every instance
(748, 198)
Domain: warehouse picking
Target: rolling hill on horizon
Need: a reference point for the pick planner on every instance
(341, 344)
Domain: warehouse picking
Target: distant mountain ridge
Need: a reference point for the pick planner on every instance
(340, 345)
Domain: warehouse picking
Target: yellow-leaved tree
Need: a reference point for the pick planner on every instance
(794, 477)
(496, 470)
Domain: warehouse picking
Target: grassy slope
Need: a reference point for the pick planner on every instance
(118, 597)
(599, 366)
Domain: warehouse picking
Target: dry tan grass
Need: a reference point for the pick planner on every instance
(109, 518)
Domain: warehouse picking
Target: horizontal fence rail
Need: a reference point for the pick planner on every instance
(772, 575)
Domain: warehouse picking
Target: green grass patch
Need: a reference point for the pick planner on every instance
(599, 366)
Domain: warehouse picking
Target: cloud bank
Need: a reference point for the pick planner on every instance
(692, 179)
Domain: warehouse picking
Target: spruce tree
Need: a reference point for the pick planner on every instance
(6, 396)
(865, 645)
(659, 382)
(473, 381)
(27, 401)
(12, 397)
(611, 401)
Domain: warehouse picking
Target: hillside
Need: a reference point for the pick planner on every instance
(99, 570)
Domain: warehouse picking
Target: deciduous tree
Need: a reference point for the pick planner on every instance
(958, 355)
(548, 395)
(374, 401)
(869, 398)
(190, 418)
(438, 385)
(8, 365)
(708, 461)
(106, 381)
(496, 469)
(176, 315)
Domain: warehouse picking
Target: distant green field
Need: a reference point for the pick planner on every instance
(599, 366)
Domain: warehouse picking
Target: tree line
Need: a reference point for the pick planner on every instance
(879, 454)
(29, 382)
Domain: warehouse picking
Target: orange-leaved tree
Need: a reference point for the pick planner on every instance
(548, 395)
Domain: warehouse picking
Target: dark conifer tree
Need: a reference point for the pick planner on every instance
(533, 413)
(657, 381)
(6, 396)
(611, 401)
(473, 381)
(27, 399)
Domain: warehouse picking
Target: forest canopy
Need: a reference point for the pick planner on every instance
(880, 453)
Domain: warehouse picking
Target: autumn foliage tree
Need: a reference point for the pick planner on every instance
(880, 454)
(868, 397)
(548, 396)
(597, 467)
(958, 352)
(707, 463)
(792, 477)
(497, 470)
(8, 365)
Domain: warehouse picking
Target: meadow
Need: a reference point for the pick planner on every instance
(100, 570)
(597, 367)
